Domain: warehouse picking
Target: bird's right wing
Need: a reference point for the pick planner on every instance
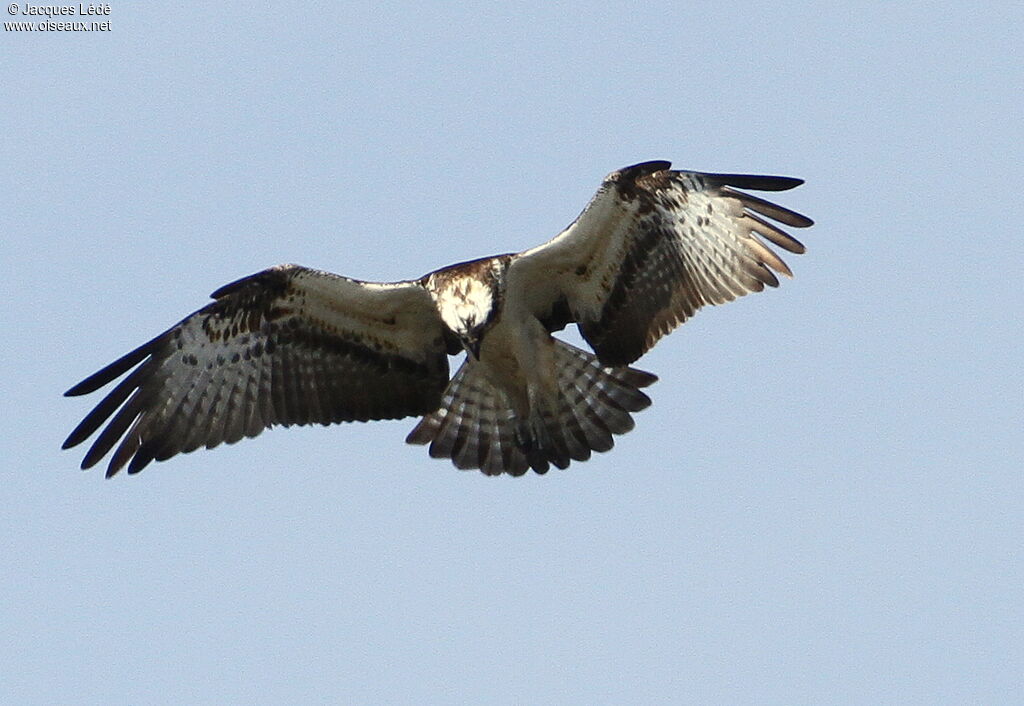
(652, 247)
(288, 345)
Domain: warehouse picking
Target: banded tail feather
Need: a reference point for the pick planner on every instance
(477, 428)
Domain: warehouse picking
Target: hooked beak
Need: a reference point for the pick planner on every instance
(472, 346)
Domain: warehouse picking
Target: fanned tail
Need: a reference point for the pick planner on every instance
(476, 427)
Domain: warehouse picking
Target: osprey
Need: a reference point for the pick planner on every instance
(292, 345)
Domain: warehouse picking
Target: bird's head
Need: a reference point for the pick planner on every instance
(467, 305)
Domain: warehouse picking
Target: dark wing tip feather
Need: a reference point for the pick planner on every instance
(115, 370)
(636, 377)
(634, 171)
(769, 209)
(106, 407)
(275, 279)
(142, 458)
(758, 182)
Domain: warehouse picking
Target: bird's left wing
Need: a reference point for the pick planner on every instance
(652, 247)
(288, 345)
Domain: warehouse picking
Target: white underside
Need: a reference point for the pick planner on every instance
(517, 357)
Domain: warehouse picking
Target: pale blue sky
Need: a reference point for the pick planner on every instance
(825, 503)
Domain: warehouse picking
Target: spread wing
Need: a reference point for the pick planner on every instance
(652, 247)
(288, 345)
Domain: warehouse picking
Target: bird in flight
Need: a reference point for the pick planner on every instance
(293, 345)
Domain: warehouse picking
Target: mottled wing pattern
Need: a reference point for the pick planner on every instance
(476, 427)
(288, 345)
(652, 247)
